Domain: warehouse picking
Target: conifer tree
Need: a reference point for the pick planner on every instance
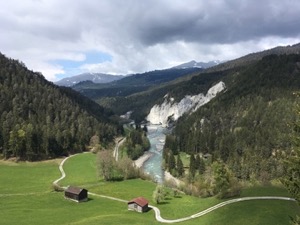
(171, 163)
(197, 162)
(201, 167)
(179, 166)
(192, 169)
(166, 157)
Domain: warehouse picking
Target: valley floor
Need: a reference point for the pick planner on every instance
(26, 196)
(158, 217)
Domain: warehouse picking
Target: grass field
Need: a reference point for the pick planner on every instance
(26, 197)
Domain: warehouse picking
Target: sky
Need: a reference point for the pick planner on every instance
(62, 38)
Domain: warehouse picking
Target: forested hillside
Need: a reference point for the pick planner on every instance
(190, 84)
(248, 126)
(132, 83)
(254, 57)
(39, 120)
(141, 103)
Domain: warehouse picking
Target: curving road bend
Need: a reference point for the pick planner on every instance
(157, 211)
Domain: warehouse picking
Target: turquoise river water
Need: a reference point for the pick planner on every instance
(153, 166)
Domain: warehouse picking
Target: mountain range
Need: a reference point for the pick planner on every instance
(100, 78)
(132, 84)
(189, 84)
(193, 63)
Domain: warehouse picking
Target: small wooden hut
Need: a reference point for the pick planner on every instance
(139, 204)
(76, 194)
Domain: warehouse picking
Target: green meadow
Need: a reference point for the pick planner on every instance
(27, 197)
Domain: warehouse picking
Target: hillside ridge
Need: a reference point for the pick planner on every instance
(40, 120)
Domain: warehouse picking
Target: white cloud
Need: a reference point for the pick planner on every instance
(141, 35)
(49, 70)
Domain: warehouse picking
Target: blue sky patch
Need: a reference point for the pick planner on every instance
(72, 67)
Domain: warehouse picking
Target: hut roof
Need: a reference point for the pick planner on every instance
(74, 190)
(140, 201)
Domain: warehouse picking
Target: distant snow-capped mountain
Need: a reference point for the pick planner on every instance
(106, 78)
(193, 63)
(94, 77)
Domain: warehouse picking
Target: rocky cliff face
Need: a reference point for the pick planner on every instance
(171, 111)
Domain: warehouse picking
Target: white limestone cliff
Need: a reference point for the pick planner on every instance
(160, 114)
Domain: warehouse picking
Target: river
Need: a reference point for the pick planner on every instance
(153, 166)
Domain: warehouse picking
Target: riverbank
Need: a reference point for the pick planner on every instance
(141, 160)
(167, 176)
(170, 178)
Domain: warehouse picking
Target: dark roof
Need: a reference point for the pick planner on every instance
(74, 190)
(140, 201)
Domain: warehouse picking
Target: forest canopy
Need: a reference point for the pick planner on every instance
(247, 127)
(40, 120)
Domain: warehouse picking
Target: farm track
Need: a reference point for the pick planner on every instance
(119, 142)
(24, 194)
(157, 211)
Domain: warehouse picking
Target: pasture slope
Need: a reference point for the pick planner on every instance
(27, 197)
(202, 213)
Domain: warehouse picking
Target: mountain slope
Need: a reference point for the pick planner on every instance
(248, 126)
(101, 78)
(170, 111)
(254, 57)
(193, 63)
(141, 103)
(132, 84)
(40, 120)
(190, 84)
(94, 77)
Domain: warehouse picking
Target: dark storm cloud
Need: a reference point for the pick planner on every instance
(221, 22)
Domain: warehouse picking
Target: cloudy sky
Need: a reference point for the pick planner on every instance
(62, 38)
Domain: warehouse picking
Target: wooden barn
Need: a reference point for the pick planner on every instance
(139, 204)
(76, 194)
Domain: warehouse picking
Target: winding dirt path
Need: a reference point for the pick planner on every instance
(116, 149)
(202, 213)
(61, 169)
(157, 211)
